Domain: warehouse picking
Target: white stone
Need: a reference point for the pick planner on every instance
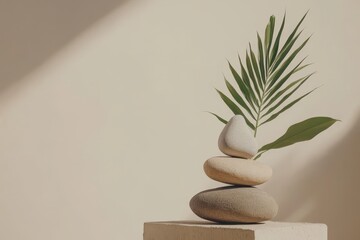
(237, 171)
(237, 140)
(191, 230)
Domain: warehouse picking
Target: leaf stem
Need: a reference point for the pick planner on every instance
(258, 117)
(261, 103)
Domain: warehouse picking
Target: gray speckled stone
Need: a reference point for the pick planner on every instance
(237, 140)
(234, 205)
(237, 171)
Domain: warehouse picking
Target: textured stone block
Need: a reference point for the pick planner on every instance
(190, 230)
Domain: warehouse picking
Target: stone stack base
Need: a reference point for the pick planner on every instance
(191, 230)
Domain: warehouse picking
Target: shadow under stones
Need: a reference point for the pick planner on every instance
(193, 222)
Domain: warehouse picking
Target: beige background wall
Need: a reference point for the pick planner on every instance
(102, 124)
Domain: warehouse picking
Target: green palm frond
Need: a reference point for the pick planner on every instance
(264, 82)
(267, 82)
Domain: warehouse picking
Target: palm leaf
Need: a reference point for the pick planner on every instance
(289, 42)
(275, 115)
(251, 75)
(261, 59)
(256, 68)
(283, 53)
(302, 67)
(284, 65)
(243, 87)
(234, 108)
(303, 80)
(219, 118)
(238, 98)
(280, 93)
(231, 105)
(299, 132)
(275, 49)
(265, 81)
(278, 85)
(261, 80)
(269, 32)
(246, 79)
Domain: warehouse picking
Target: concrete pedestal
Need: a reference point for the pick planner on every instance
(190, 230)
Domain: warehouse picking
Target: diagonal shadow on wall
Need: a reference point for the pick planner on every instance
(31, 31)
(328, 190)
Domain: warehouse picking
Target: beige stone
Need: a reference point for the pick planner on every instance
(234, 204)
(237, 171)
(237, 140)
(191, 230)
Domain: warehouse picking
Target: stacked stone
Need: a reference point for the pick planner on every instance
(239, 202)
